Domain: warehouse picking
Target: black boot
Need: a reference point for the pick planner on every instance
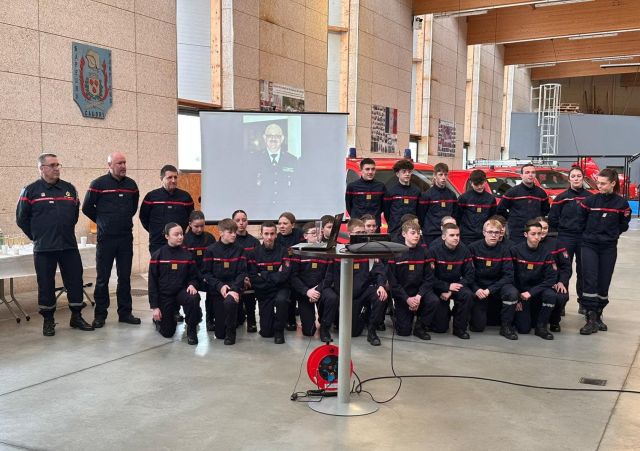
(98, 322)
(230, 336)
(591, 327)
(78, 322)
(49, 327)
(463, 334)
(555, 327)
(372, 336)
(508, 333)
(192, 335)
(325, 334)
(542, 332)
(601, 325)
(278, 337)
(418, 331)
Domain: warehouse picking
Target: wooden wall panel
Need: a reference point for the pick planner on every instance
(568, 50)
(522, 23)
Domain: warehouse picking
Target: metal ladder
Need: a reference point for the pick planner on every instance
(546, 102)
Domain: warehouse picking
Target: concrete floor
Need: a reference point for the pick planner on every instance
(126, 387)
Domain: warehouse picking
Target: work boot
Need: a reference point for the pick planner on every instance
(230, 337)
(463, 334)
(49, 327)
(325, 334)
(211, 324)
(508, 333)
(591, 327)
(419, 332)
(178, 317)
(542, 332)
(129, 319)
(98, 322)
(192, 335)
(372, 336)
(292, 327)
(251, 326)
(78, 322)
(278, 337)
(601, 325)
(555, 327)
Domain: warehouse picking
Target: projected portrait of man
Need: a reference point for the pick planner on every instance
(276, 166)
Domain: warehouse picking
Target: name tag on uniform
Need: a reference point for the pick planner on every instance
(52, 202)
(406, 201)
(269, 268)
(488, 262)
(169, 206)
(478, 210)
(174, 266)
(120, 195)
(368, 196)
(449, 267)
(412, 267)
(530, 266)
(314, 265)
(356, 266)
(225, 264)
(199, 252)
(604, 215)
(443, 205)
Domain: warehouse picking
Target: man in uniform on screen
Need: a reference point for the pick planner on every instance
(276, 166)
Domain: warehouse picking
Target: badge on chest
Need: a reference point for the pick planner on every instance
(368, 196)
(443, 204)
(199, 252)
(356, 266)
(412, 267)
(479, 210)
(449, 267)
(270, 268)
(314, 265)
(406, 201)
(174, 266)
(488, 263)
(530, 266)
(225, 265)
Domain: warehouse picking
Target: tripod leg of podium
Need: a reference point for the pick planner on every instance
(345, 404)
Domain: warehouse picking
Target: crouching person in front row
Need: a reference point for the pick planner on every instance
(411, 282)
(173, 278)
(269, 271)
(225, 268)
(535, 273)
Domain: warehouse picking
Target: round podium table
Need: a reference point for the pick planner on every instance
(344, 404)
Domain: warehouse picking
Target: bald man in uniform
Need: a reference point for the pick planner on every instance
(276, 166)
(111, 202)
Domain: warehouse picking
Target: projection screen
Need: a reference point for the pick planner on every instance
(267, 163)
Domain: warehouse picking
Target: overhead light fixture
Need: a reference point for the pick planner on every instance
(469, 12)
(612, 58)
(615, 65)
(593, 36)
(536, 65)
(546, 3)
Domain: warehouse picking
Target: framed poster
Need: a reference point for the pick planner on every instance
(277, 97)
(384, 129)
(446, 139)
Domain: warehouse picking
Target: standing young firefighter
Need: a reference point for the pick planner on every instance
(603, 217)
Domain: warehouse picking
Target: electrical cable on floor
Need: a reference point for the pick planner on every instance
(300, 396)
(357, 388)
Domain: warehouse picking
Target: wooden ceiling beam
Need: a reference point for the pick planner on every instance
(526, 23)
(580, 69)
(553, 50)
(451, 6)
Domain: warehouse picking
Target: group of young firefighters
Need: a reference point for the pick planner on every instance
(459, 267)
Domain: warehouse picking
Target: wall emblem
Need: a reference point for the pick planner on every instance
(92, 80)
